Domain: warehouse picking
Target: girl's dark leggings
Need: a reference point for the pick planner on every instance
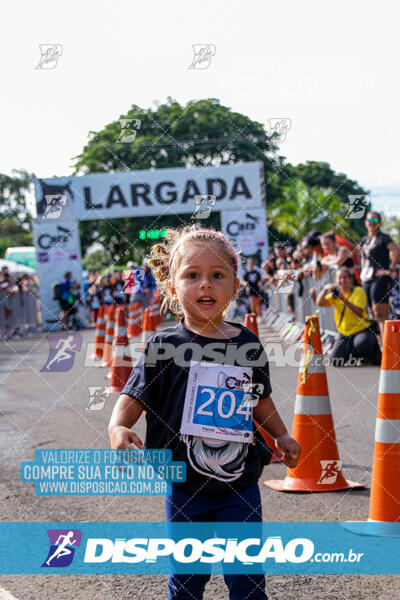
(243, 506)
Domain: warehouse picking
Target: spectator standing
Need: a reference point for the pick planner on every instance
(7, 282)
(119, 285)
(379, 255)
(95, 301)
(335, 256)
(76, 303)
(280, 252)
(312, 252)
(269, 269)
(87, 280)
(106, 288)
(149, 281)
(252, 280)
(129, 280)
(66, 299)
(144, 284)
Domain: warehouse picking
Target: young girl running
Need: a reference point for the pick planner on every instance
(216, 363)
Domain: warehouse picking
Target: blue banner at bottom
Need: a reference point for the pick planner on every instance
(162, 548)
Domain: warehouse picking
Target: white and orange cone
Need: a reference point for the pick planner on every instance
(99, 335)
(384, 506)
(319, 468)
(121, 366)
(157, 306)
(148, 327)
(109, 338)
(250, 321)
(135, 320)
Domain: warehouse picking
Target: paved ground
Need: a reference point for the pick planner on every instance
(47, 410)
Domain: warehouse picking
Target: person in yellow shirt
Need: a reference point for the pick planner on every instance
(355, 336)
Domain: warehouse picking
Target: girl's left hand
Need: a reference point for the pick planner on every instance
(289, 448)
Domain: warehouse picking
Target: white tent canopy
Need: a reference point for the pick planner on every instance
(15, 267)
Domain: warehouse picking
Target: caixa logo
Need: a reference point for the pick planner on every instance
(46, 240)
(62, 547)
(192, 550)
(235, 227)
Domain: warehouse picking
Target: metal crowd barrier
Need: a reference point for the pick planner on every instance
(18, 313)
(303, 306)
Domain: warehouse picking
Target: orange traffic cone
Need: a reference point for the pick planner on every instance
(152, 323)
(134, 319)
(384, 506)
(153, 309)
(319, 468)
(100, 334)
(158, 316)
(140, 318)
(109, 338)
(148, 326)
(250, 321)
(121, 363)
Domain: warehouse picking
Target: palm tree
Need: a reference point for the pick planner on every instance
(304, 208)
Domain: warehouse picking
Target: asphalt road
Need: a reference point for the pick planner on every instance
(47, 410)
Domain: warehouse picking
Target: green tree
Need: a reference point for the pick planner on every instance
(12, 233)
(201, 133)
(205, 133)
(97, 260)
(316, 174)
(14, 218)
(13, 193)
(303, 208)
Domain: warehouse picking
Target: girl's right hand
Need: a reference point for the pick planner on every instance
(122, 438)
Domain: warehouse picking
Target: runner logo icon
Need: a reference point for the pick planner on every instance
(62, 550)
(62, 351)
(330, 469)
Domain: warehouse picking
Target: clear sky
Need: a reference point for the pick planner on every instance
(332, 68)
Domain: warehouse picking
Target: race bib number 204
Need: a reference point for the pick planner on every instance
(218, 404)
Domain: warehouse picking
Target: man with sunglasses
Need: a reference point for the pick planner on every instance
(379, 257)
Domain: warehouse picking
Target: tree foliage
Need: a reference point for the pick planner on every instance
(320, 175)
(97, 260)
(201, 133)
(304, 208)
(13, 234)
(206, 133)
(14, 218)
(13, 192)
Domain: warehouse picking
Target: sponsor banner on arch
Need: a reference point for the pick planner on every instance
(247, 229)
(58, 250)
(150, 192)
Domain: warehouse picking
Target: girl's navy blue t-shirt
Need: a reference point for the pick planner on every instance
(212, 466)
